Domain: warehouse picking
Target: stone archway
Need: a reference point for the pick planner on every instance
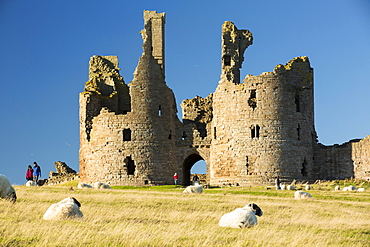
(187, 164)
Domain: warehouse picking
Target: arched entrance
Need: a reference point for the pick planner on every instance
(187, 165)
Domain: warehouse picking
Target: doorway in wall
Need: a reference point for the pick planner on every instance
(194, 163)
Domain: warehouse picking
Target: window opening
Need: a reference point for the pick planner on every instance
(298, 132)
(304, 168)
(227, 60)
(297, 103)
(214, 133)
(183, 137)
(130, 165)
(126, 135)
(252, 101)
(255, 131)
(170, 135)
(159, 111)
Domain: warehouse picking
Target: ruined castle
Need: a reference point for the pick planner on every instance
(247, 132)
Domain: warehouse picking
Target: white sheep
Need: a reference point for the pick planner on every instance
(302, 195)
(337, 188)
(283, 187)
(290, 187)
(99, 185)
(6, 189)
(66, 208)
(193, 189)
(349, 188)
(241, 217)
(31, 183)
(361, 189)
(307, 187)
(83, 186)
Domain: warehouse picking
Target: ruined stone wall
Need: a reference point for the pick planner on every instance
(349, 160)
(361, 158)
(62, 174)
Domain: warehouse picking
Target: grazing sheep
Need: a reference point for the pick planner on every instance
(241, 217)
(83, 186)
(307, 187)
(302, 195)
(67, 208)
(6, 189)
(361, 189)
(283, 187)
(290, 187)
(337, 188)
(99, 185)
(349, 188)
(193, 189)
(31, 183)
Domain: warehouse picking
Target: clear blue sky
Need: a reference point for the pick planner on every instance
(46, 46)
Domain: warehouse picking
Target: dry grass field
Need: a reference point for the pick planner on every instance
(163, 216)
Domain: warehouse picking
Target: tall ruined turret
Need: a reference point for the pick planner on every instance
(128, 133)
(263, 127)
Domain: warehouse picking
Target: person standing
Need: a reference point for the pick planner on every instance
(36, 172)
(29, 173)
(277, 183)
(175, 178)
(195, 180)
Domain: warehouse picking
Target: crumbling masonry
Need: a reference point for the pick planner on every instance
(247, 132)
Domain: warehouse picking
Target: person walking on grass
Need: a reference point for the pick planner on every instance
(29, 173)
(36, 172)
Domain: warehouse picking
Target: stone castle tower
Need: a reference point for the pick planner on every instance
(247, 133)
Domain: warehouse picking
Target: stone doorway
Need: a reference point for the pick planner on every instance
(186, 167)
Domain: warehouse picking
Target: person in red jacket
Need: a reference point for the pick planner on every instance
(175, 177)
(29, 173)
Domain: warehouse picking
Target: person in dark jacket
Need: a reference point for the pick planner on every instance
(36, 172)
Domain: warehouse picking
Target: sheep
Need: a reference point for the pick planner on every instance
(349, 188)
(361, 189)
(302, 195)
(31, 183)
(99, 185)
(307, 187)
(241, 217)
(83, 185)
(66, 208)
(290, 187)
(6, 189)
(193, 189)
(283, 187)
(337, 188)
